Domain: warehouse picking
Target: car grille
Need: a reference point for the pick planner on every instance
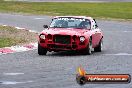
(53, 46)
(62, 39)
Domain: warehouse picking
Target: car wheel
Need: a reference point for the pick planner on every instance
(41, 50)
(88, 50)
(99, 47)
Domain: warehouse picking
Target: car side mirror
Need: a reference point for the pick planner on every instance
(45, 26)
(96, 25)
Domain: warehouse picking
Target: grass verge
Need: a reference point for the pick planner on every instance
(10, 36)
(120, 10)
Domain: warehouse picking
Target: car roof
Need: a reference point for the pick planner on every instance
(74, 17)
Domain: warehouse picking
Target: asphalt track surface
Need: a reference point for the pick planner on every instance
(75, 0)
(58, 70)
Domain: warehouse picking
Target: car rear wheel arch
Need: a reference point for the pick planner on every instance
(99, 47)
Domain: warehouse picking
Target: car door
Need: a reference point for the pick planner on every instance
(97, 33)
(94, 37)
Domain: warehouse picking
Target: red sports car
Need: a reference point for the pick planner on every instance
(71, 33)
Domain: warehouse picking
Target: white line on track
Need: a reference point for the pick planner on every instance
(13, 74)
(127, 31)
(13, 82)
(33, 31)
(119, 54)
(39, 18)
(119, 31)
(19, 28)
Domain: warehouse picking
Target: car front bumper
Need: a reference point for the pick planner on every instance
(62, 47)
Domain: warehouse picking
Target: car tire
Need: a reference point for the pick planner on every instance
(99, 47)
(88, 50)
(41, 50)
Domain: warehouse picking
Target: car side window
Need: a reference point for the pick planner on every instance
(85, 24)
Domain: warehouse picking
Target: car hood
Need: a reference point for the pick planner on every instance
(65, 31)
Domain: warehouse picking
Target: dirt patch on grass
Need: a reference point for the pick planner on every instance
(10, 36)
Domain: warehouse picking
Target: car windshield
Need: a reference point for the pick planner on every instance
(70, 23)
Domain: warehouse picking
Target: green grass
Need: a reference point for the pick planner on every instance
(6, 42)
(120, 10)
(10, 36)
(7, 36)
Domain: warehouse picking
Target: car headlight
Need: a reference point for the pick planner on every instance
(42, 36)
(82, 39)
